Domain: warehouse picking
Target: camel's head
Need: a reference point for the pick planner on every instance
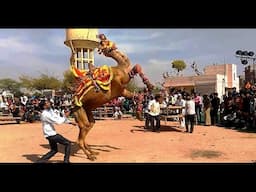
(106, 46)
(102, 37)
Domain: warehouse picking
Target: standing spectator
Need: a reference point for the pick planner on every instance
(154, 113)
(139, 105)
(246, 109)
(126, 105)
(215, 103)
(24, 100)
(181, 102)
(146, 115)
(207, 110)
(3, 104)
(228, 104)
(189, 114)
(198, 107)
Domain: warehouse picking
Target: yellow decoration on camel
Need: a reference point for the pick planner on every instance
(76, 72)
(103, 77)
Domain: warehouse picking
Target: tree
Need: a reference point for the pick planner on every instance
(40, 83)
(68, 81)
(179, 65)
(26, 81)
(10, 85)
(46, 82)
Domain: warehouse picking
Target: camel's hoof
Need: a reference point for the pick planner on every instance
(91, 157)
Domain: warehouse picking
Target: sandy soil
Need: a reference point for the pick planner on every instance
(126, 141)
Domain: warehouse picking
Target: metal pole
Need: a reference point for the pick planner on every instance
(253, 71)
(246, 57)
(72, 47)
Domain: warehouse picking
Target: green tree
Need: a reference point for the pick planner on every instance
(46, 82)
(11, 85)
(179, 65)
(26, 82)
(68, 81)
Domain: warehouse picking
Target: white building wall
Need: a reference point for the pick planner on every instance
(221, 82)
(235, 78)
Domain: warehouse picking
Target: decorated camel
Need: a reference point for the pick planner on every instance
(99, 86)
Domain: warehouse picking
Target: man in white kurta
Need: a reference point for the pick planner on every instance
(154, 113)
(49, 118)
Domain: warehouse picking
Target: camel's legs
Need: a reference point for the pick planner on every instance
(92, 122)
(138, 70)
(84, 126)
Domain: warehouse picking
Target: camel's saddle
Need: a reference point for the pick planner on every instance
(101, 77)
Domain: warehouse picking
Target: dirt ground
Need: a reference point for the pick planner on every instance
(125, 141)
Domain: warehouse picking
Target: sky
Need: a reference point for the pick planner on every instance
(37, 51)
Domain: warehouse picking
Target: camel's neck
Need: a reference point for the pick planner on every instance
(121, 59)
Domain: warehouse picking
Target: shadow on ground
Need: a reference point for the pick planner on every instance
(8, 123)
(74, 150)
(247, 130)
(32, 157)
(205, 154)
(239, 129)
(162, 129)
(104, 148)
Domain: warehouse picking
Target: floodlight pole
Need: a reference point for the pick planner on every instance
(253, 68)
(247, 57)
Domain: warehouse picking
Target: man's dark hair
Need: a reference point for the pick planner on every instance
(42, 103)
(188, 96)
(157, 97)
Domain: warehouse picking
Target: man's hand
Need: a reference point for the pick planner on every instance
(67, 113)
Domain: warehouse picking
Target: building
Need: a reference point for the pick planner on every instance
(250, 73)
(242, 81)
(82, 43)
(216, 78)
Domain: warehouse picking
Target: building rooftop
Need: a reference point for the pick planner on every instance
(188, 80)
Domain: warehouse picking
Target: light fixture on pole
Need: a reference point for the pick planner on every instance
(245, 56)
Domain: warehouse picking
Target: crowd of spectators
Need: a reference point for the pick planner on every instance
(236, 109)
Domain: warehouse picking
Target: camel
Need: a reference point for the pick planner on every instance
(112, 82)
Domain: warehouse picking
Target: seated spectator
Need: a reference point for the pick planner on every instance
(118, 113)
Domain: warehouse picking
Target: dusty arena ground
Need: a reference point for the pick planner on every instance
(126, 141)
